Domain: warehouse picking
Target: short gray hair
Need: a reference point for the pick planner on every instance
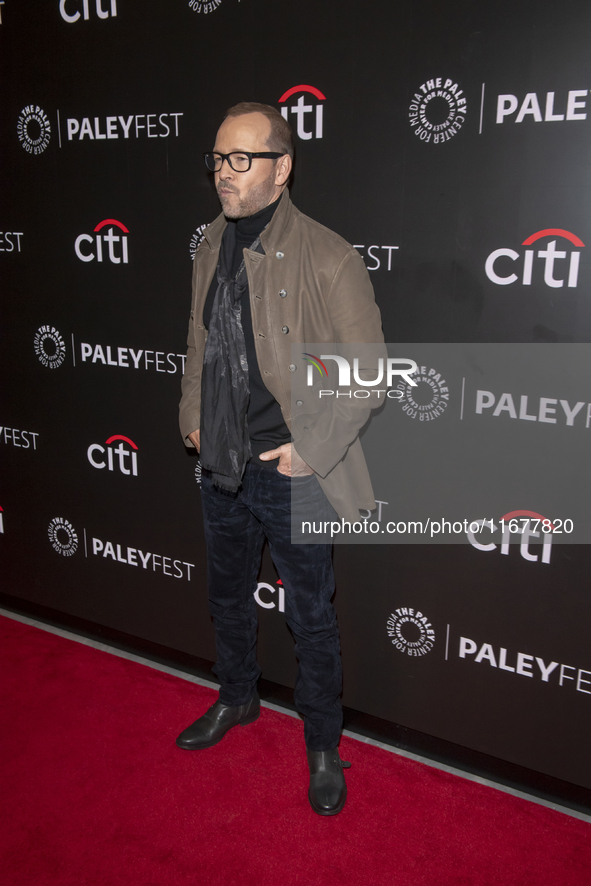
(281, 136)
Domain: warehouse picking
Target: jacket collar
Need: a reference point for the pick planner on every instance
(272, 238)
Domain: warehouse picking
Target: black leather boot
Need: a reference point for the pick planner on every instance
(213, 725)
(328, 790)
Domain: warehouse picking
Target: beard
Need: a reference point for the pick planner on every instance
(252, 201)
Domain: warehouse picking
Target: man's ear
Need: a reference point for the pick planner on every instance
(283, 169)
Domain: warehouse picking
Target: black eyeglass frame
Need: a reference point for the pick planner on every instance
(266, 155)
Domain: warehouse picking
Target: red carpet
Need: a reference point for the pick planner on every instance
(95, 792)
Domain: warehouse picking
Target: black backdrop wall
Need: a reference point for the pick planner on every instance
(449, 142)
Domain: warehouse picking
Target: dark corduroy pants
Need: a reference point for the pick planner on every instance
(236, 526)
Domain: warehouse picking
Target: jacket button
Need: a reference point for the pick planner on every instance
(285, 329)
(299, 402)
(292, 367)
(282, 293)
(279, 255)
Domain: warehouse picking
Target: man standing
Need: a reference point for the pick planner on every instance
(266, 276)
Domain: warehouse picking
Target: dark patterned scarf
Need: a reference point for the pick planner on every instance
(225, 394)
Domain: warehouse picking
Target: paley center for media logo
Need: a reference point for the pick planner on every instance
(204, 6)
(304, 107)
(410, 631)
(114, 255)
(388, 372)
(49, 347)
(196, 239)
(500, 265)
(62, 536)
(428, 398)
(33, 129)
(126, 462)
(437, 111)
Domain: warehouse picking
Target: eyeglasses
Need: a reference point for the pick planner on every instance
(240, 161)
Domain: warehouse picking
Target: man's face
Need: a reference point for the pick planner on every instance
(244, 193)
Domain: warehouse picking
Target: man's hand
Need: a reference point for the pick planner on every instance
(290, 463)
(195, 438)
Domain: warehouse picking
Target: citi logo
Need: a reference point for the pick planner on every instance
(301, 109)
(496, 266)
(267, 588)
(528, 525)
(570, 108)
(73, 16)
(126, 458)
(110, 239)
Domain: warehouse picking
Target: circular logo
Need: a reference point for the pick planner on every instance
(198, 473)
(49, 347)
(196, 240)
(410, 632)
(437, 111)
(62, 536)
(34, 129)
(204, 6)
(428, 399)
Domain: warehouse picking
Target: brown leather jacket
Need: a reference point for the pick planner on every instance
(309, 286)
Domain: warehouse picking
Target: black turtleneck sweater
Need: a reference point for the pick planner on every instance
(266, 427)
